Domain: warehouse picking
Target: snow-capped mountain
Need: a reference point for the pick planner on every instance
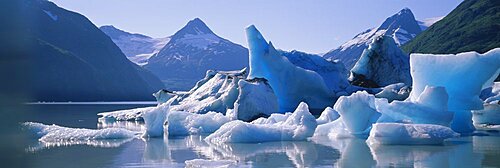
(192, 51)
(402, 27)
(137, 47)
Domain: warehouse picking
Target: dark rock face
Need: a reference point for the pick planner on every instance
(67, 58)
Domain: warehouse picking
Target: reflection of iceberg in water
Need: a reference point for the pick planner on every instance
(103, 143)
(353, 151)
(156, 150)
(269, 154)
(136, 126)
(457, 153)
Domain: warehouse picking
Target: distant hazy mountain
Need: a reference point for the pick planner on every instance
(192, 51)
(61, 56)
(402, 27)
(137, 47)
(473, 26)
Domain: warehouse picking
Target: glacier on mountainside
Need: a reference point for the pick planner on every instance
(286, 79)
(381, 64)
(472, 72)
(298, 126)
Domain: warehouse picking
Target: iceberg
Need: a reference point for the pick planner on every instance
(333, 72)
(328, 115)
(429, 108)
(472, 72)
(181, 123)
(409, 134)
(216, 92)
(154, 120)
(256, 99)
(297, 127)
(397, 91)
(54, 135)
(381, 64)
(357, 112)
(124, 115)
(163, 95)
(286, 79)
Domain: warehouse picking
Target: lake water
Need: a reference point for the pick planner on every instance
(469, 152)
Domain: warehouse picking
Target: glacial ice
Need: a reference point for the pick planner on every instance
(397, 91)
(429, 108)
(357, 112)
(124, 115)
(216, 92)
(382, 63)
(163, 96)
(298, 126)
(328, 115)
(64, 135)
(181, 123)
(409, 134)
(266, 62)
(472, 72)
(256, 99)
(333, 72)
(154, 120)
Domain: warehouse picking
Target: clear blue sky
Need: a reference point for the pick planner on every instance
(311, 26)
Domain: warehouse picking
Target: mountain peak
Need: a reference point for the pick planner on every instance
(194, 27)
(403, 19)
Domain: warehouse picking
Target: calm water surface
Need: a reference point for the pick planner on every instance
(469, 152)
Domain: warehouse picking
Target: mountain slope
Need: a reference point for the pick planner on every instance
(473, 26)
(137, 47)
(402, 27)
(192, 51)
(64, 57)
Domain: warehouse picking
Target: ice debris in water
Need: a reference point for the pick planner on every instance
(55, 133)
(298, 126)
(184, 123)
(406, 134)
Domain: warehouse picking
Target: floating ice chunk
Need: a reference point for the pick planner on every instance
(490, 115)
(286, 79)
(216, 92)
(491, 94)
(398, 91)
(334, 130)
(472, 72)
(274, 118)
(154, 120)
(200, 163)
(68, 136)
(328, 115)
(429, 108)
(382, 63)
(357, 112)
(409, 134)
(163, 95)
(256, 99)
(184, 123)
(298, 126)
(124, 115)
(466, 81)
